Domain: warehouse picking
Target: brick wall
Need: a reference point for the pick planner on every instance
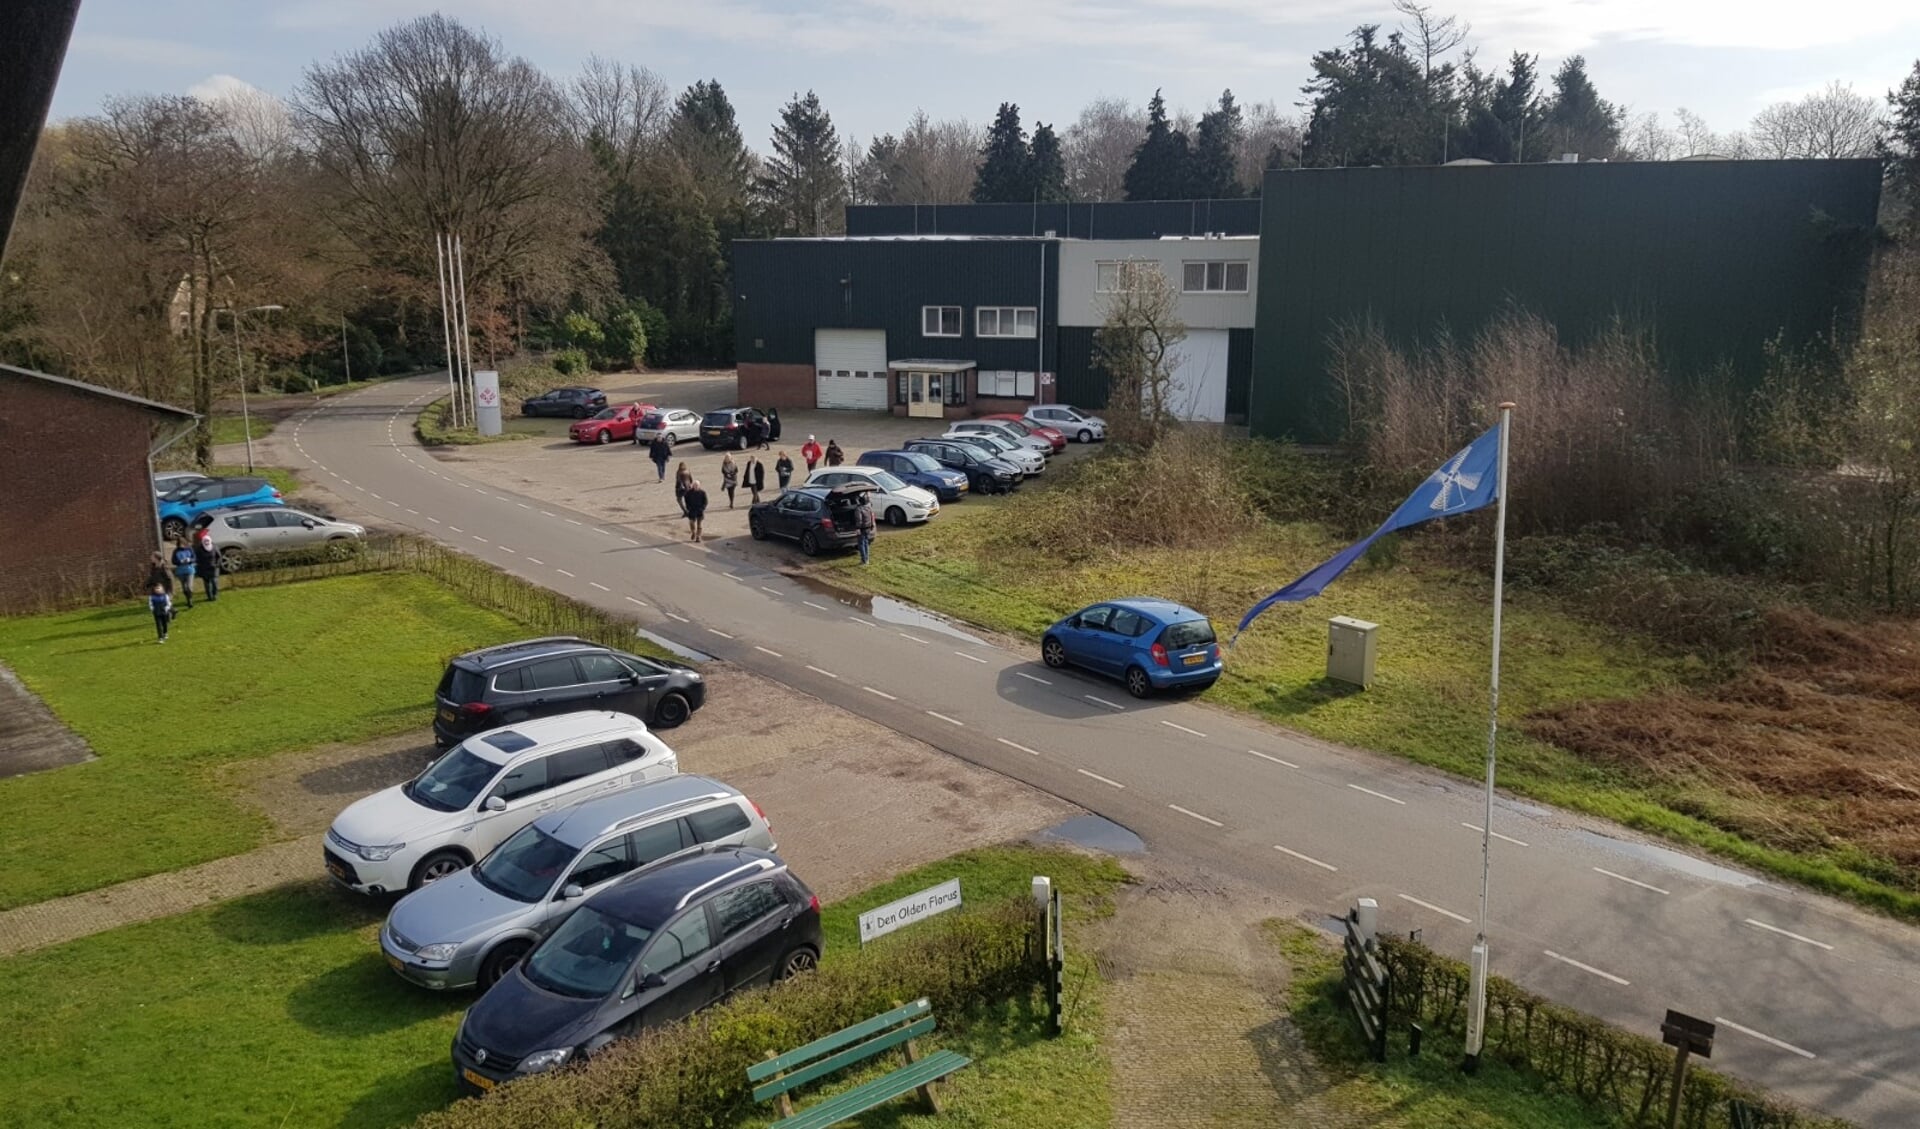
(77, 508)
(776, 386)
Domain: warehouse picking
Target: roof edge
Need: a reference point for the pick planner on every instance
(98, 390)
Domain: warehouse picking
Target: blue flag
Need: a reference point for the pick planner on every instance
(1465, 482)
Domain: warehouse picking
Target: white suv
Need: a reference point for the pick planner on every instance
(1069, 421)
(482, 791)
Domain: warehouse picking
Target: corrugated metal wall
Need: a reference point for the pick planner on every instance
(1085, 384)
(1137, 219)
(1716, 256)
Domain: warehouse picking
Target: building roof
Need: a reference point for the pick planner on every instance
(83, 386)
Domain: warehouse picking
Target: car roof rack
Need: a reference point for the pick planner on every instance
(755, 865)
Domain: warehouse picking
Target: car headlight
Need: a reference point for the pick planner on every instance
(540, 1061)
(380, 854)
(442, 951)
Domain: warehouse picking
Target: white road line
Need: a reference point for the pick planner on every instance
(504, 549)
(970, 658)
(1274, 759)
(631, 600)
(662, 552)
(811, 604)
(434, 520)
(736, 576)
(1183, 729)
(1629, 881)
(914, 638)
(456, 529)
(772, 591)
(523, 505)
(764, 651)
(1437, 909)
(1307, 859)
(603, 532)
(1196, 815)
(415, 513)
(599, 585)
(546, 513)
(681, 618)
(564, 572)
(629, 540)
(694, 563)
(536, 560)
(817, 670)
(717, 631)
(1029, 677)
(1016, 745)
(1495, 834)
(880, 693)
(1782, 1044)
(374, 496)
(945, 718)
(573, 521)
(1788, 933)
(1620, 980)
(478, 538)
(1102, 701)
(1100, 778)
(862, 622)
(1380, 795)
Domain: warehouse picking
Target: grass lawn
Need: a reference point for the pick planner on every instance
(225, 428)
(264, 671)
(277, 1010)
(1429, 1092)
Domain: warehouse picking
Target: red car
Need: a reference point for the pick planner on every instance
(612, 423)
(1027, 427)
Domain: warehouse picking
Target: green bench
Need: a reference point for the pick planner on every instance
(777, 1077)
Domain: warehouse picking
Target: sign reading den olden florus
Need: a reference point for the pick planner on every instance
(912, 908)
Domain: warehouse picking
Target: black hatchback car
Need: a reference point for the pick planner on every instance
(578, 403)
(727, 427)
(985, 475)
(644, 952)
(497, 686)
(818, 517)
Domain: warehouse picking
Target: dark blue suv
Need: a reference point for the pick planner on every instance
(916, 469)
(1146, 643)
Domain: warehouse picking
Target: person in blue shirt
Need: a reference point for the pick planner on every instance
(161, 605)
(183, 567)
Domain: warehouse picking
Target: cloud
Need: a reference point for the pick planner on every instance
(146, 50)
(215, 87)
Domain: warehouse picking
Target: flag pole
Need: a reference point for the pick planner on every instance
(1477, 1007)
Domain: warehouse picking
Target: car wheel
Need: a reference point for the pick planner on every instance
(435, 867)
(672, 711)
(672, 440)
(173, 528)
(500, 961)
(232, 560)
(798, 962)
(1053, 652)
(1138, 684)
(579, 413)
(755, 527)
(605, 436)
(809, 544)
(1085, 436)
(896, 516)
(740, 443)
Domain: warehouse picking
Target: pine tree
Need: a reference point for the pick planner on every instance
(1215, 151)
(1160, 169)
(1506, 125)
(805, 184)
(1006, 166)
(1049, 166)
(1578, 120)
(878, 172)
(1902, 147)
(1370, 106)
(705, 134)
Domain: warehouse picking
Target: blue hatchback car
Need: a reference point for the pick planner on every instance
(917, 469)
(1146, 643)
(179, 508)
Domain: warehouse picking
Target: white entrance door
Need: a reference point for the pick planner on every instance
(850, 368)
(925, 394)
(1199, 386)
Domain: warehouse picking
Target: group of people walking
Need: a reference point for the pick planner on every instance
(191, 556)
(691, 497)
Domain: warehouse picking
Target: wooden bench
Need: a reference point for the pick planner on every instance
(777, 1077)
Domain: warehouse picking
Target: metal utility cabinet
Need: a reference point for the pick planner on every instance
(1351, 646)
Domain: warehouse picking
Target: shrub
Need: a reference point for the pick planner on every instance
(571, 362)
(1641, 589)
(693, 1074)
(627, 340)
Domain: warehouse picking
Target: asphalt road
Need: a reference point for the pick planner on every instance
(1813, 997)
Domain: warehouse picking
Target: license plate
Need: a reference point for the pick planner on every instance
(336, 870)
(1194, 660)
(395, 962)
(965, 486)
(478, 1079)
(709, 431)
(446, 715)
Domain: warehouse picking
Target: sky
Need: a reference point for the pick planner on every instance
(873, 62)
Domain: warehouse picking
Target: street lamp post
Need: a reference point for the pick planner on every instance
(240, 368)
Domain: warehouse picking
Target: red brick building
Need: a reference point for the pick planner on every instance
(77, 507)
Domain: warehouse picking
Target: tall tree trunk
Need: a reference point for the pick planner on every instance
(199, 313)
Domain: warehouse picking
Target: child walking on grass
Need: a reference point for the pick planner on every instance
(161, 605)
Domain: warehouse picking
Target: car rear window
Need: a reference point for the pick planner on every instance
(717, 419)
(718, 822)
(1188, 633)
(460, 685)
(652, 420)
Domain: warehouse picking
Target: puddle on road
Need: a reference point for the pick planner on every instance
(1672, 860)
(681, 649)
(1098, 834)
(884, 608)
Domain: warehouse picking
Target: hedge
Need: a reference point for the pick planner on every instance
(693, 1075)
(1616, 1070)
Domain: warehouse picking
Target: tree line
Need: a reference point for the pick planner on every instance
(167, 240)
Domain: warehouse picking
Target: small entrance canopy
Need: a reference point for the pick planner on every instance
(932, 366)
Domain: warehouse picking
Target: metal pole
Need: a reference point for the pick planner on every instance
(466, 334)
(1477, 1010)
(446, 329)
(346, 360)
(240, 366)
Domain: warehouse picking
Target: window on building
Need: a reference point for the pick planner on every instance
(1111, 276)
(1215, 277)
(1005, 321)
(1006, 383)
(956, 388)
(899, 387)
(940, 321)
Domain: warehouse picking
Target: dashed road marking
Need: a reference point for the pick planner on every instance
(774, 591)
(811, 604)
(1495, 834)
(546, 513)
(603, 532)
(1309, 859)
(1100, 778)
(536, 560)
(1620, 980)
(1097, 700)
(1381, 795)
(1781, 1043)
(1016, 745)
(1436, 909)
(661, 551)
(1196, 815)
(863, 621)
(971, 658)
(574, 521)
(630, 599)
(1789, 933)
(1033, 678)
(913, 638)
(564, 572)
(681, 618)
(504, 549)
(817, 670)
(415, 513)
(599, 585)
(478, 538)
(694, 563)
(880, 693)
(1274, 759)
(717, 631)
(765, 651)
(1182, 728)
(1629, 881)
(945, 718)
(435, 520)
(456, 529)
(629, 540)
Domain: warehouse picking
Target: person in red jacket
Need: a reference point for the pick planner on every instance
(811, 452)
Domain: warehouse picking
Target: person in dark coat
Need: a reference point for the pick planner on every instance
(783, 469)
(696, 504)
(660, 451)
(756, 433)
(158, 573)
(756, 478)
(863, 519)
(681, 479)
(206, 562)
(835, 456)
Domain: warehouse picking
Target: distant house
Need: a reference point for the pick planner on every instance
(76, 487)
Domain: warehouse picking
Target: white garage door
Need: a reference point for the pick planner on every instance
(850, 368)
(1199, 389)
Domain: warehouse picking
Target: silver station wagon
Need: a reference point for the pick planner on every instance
(470, 929)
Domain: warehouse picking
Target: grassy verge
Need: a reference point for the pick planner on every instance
(1428, 1092)
(1428, 702)
(277, 1010)
(284, 480)
(434, 427)
(225, 429)
(265, 670)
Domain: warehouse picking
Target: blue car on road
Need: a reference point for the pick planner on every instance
(916, 469)
(1147, 644)
(179, 508)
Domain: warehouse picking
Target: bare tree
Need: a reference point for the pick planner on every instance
(1136, 345)
(1647, 139)
(624, 108)
(1432, 36)
(1697, 138)
(1832, 123)
(1270, 140)
(259, 123)
(935, 162)
(1100, 148)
